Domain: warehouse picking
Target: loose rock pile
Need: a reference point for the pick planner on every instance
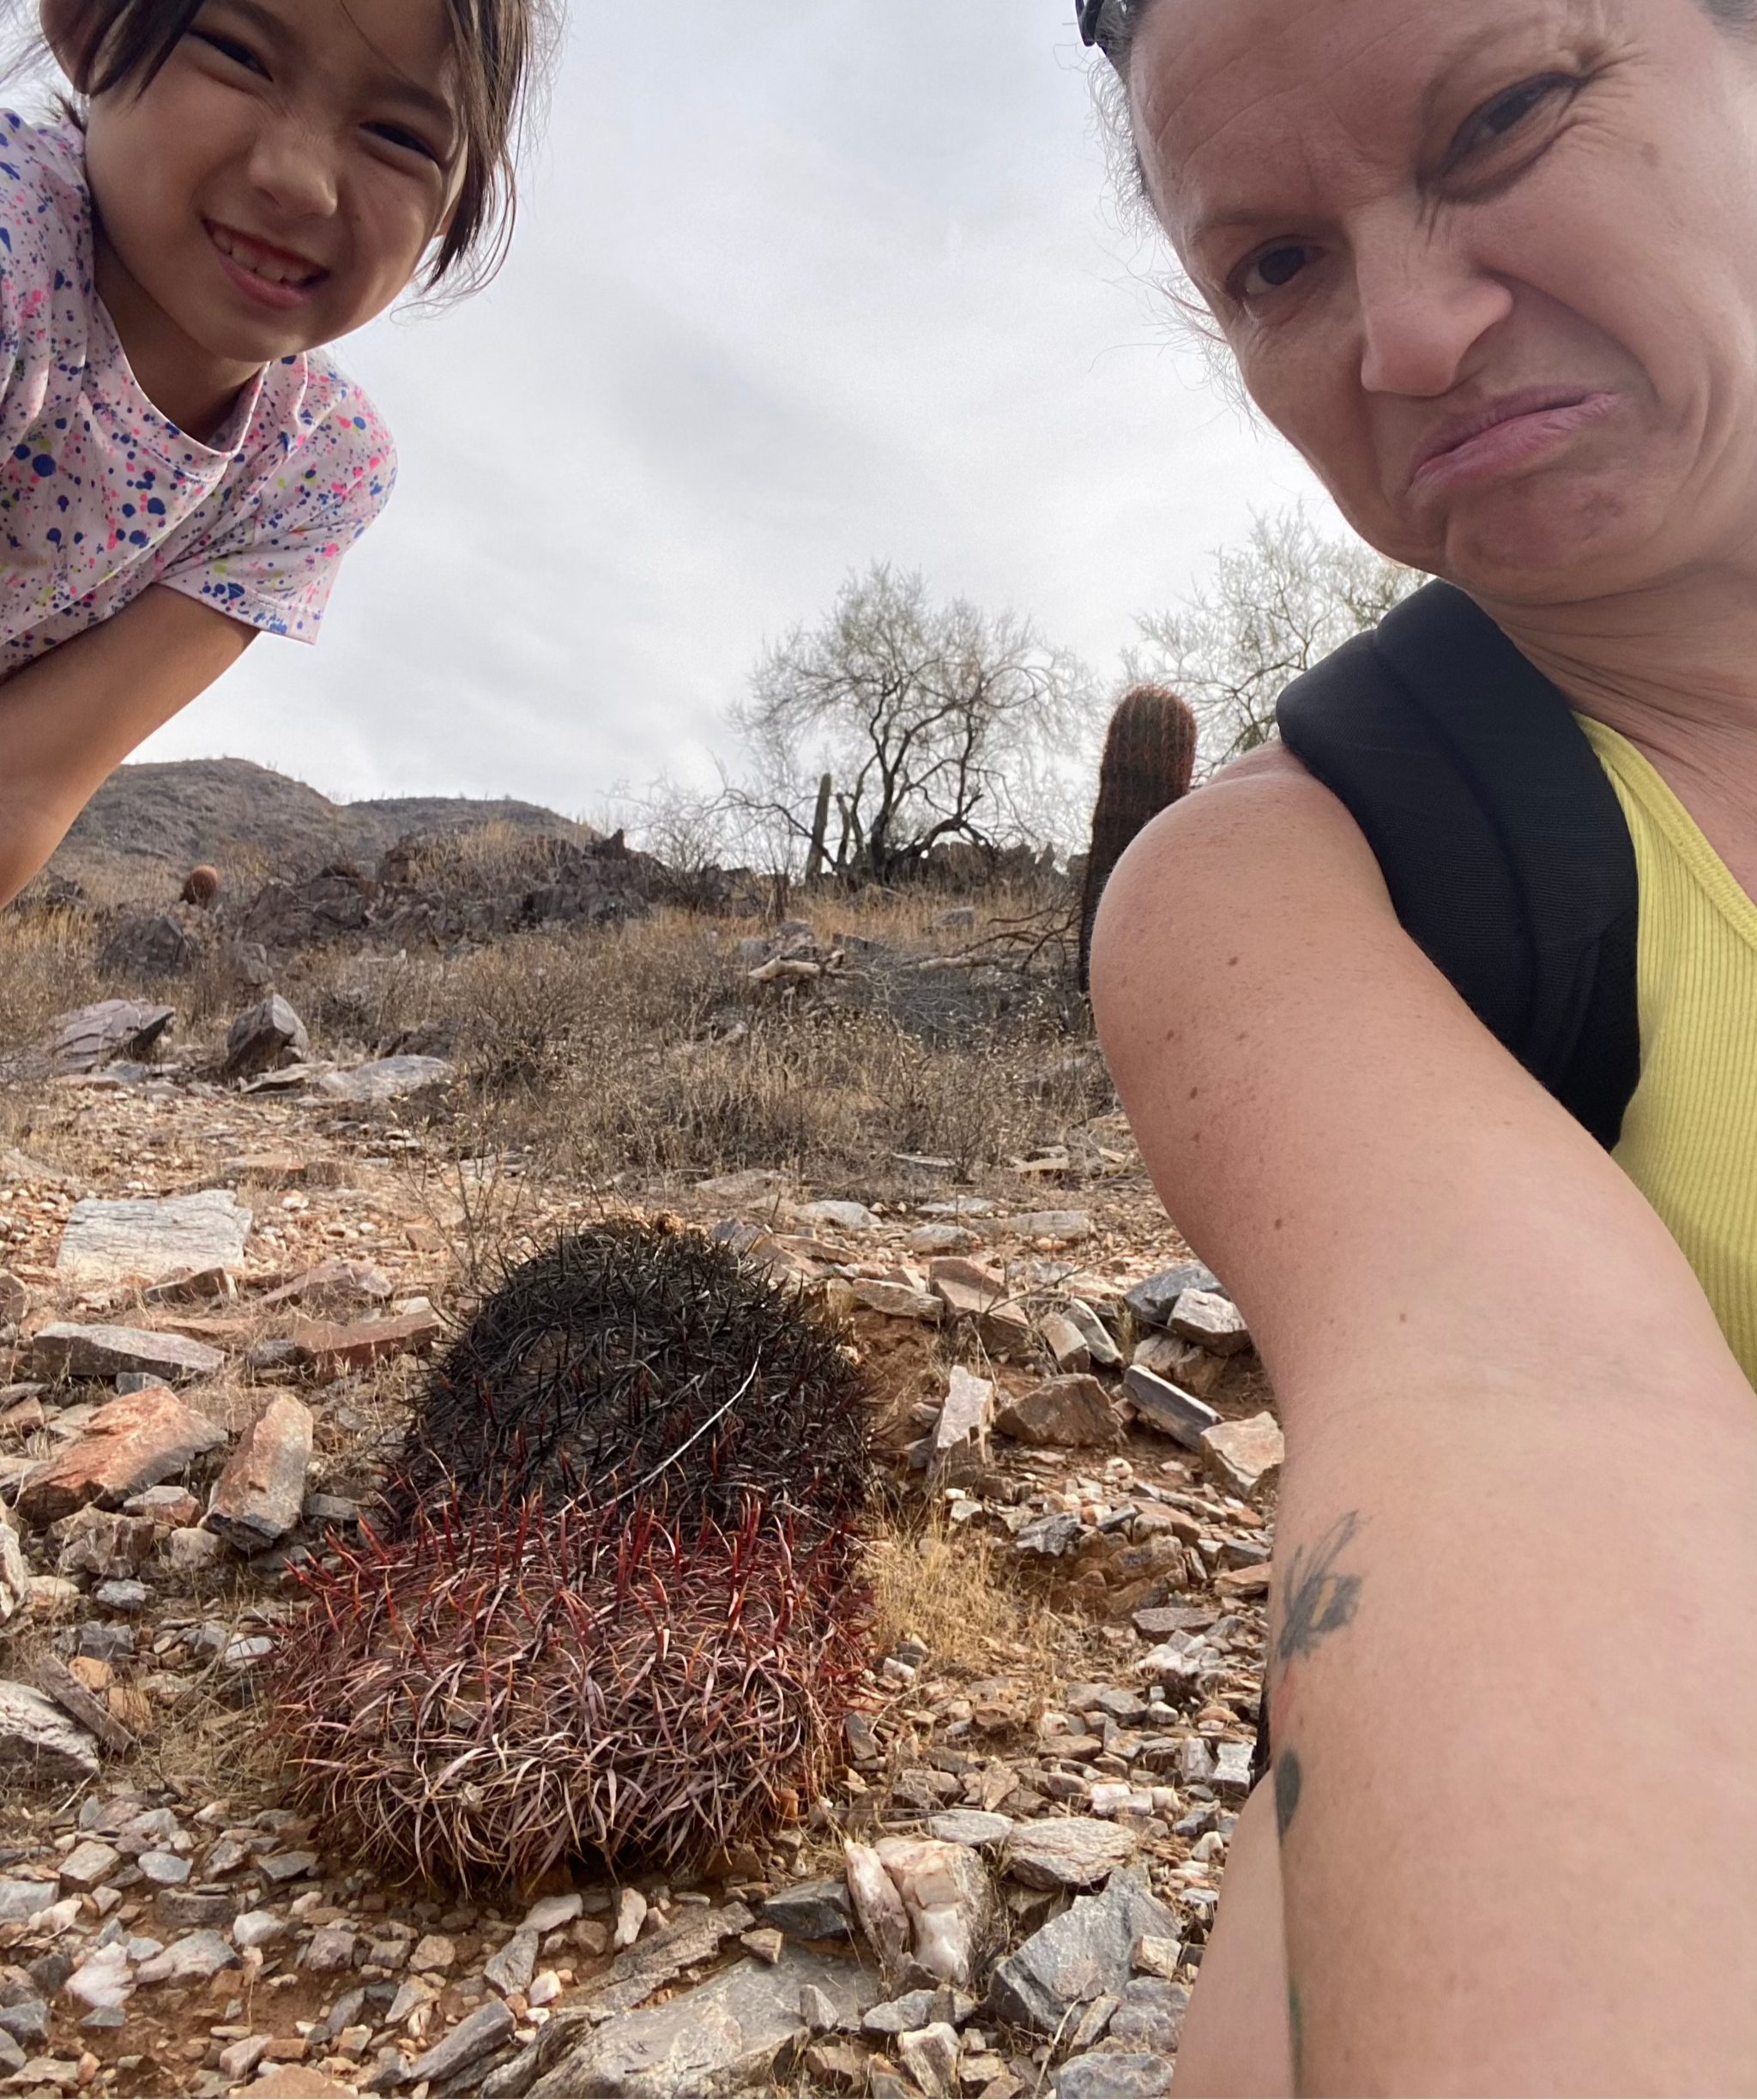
(1050, 1829)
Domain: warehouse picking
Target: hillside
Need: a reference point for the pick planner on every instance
(226, 810)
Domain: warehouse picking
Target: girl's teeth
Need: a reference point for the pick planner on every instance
(266, 266)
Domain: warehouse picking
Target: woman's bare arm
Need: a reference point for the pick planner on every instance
(1513, 1657)
(68, 720)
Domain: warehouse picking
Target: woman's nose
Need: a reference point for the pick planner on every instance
(1423, 308)
(293, 165)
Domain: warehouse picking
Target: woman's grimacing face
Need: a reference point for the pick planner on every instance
(1415, 218)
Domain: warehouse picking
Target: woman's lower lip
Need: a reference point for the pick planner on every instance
(1519, 441)
(278, 297)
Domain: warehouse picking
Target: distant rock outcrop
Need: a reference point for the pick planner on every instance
(165, 818)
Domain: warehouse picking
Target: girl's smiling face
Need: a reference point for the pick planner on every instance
(279, 180)
(1491, 265)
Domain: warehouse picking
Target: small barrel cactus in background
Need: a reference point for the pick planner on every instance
(1149, 759)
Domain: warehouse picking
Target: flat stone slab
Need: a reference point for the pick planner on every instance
(1245, 1456)
(265, 1035)
(331, 1348)
(1154, 1301)
(131, 1443)
(725, 2037)
(145, 1240)
(1087, 1952)
(40, 1747)
(191, 1959)
(810, 1909)
(970, 1826)
(1168, 1409)
(1213, 1322)
(387, 1079)
(1072, 1412)
(64, 1350)
(261, 1495)
(965, 1418)
(639, 1970)
(1067, 1852)
(1115, 2074)
(19, 1900)
(112, 1029)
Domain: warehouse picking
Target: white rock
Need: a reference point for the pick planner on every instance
(877, 1904)
(258, 1929)
(930, 2056)
(950, 1900)
(843, 1216)
(550, 1913)
(104, 1980)
(630, 1915)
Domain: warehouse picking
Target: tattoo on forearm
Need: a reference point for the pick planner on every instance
(1296, 2035)
(1316, 1600)
(1288, 1781)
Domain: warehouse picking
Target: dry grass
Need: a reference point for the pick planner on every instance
(644, 1049)
(953, 1591)
(47, 966)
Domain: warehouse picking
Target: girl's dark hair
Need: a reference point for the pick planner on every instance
(502, 47)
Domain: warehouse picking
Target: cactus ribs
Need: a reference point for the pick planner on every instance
(615, 1609)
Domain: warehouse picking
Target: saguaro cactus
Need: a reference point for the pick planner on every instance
(1150, 758)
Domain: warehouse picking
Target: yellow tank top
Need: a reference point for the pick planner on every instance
(1689, 1140)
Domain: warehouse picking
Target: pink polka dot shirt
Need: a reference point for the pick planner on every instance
(100, 495)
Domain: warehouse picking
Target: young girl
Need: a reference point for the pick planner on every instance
(182, 466)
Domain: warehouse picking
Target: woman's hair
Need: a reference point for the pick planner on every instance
(1111, 24)
(502, 47)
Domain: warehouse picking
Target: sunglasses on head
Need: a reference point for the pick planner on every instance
(1106, 23)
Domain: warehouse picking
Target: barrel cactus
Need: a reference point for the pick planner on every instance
(614, 1607)
(1150, 760)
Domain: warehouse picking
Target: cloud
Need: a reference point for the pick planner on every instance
(792, 290)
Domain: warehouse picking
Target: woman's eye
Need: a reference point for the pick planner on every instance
(1503, 117)
(1274, 269)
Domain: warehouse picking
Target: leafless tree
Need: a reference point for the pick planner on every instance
(934, 721)
(1276, 606)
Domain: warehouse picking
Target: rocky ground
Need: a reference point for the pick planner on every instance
(1007, 1887)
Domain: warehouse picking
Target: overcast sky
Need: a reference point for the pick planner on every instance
(795, 288)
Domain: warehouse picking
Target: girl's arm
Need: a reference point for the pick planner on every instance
(1516, 1571)
(69, 719)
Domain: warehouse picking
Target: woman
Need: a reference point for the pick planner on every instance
(1491, 265)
